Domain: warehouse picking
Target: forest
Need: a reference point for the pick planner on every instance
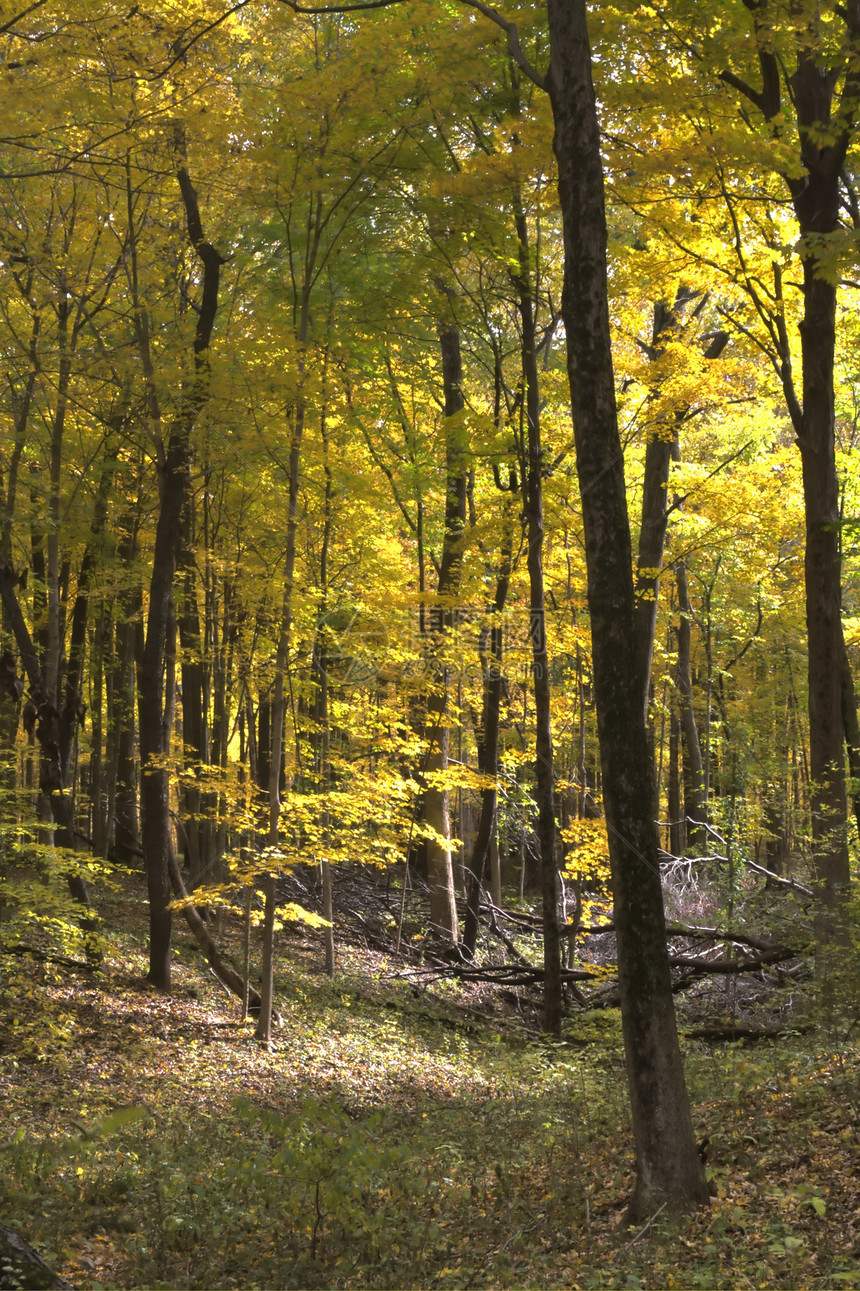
(430, 583)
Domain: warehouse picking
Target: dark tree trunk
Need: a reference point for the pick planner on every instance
(852, 730)
(823, 597)
(440, 872)
(24, 1268)
(321, 714)
(660, 450)
(123, 822)
(490, 650)
(43, 718)
(667, 1163)
(152, 709)
(264, 741)
(677, 825)
(821, 93)
(153, 714)
(72, 710)
(195, 724)
(21, 405)
(694, 773)
(277, 715)
(532, 472)
(227, 975)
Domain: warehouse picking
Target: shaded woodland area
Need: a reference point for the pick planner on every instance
(428, 498)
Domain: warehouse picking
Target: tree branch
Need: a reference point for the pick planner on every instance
(514, 47)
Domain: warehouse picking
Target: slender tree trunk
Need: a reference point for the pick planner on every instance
(823, 601)
(153, 708)
(46, 725)
(123, 822)
(660, 450)
(322, 702)
(667, 1163)
(852, 730)
(21, 416)
(72, 710)
(694, 777)
(532, 471)
(98, 815)
(490, 650)
(821, 93)
(440, 870)
(227, 975)
(195, 718)
(677, 822)
(278, 714)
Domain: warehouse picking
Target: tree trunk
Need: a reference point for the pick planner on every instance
(440, 871)
(667, 1163)
(821, 94)
(44, 720)
(227, 975)
(322, 715)
(23, 1267)
(123, 823)
(694, 774)
(823, 574)
(659, 452)
(532, 473)
(490, 650)
(852, 730)
(153, 714)
(195, 717)
(677, 823)
(277, 714)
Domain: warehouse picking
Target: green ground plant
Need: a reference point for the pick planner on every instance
(394, 1140)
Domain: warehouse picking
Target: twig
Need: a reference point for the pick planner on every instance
(642, 1231)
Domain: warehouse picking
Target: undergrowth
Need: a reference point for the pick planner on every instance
(386, 1141)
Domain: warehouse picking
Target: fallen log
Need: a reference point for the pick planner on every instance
(728, 1032)
(21, 1267)
(700, 967)
(726, 964)
(508, 974)
(43, 957)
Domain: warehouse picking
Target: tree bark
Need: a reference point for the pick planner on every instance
(195, 715)
(123, 820)
(440, 871)
(668, 1166)
(694, 772)
(532, 474)
(823, 576)
(24, 1268)
(46, 725)
(822, 94)
(277, 714)
(661, 446)
(851, 727)
(153, 714)
(490, 650)
(227, 975)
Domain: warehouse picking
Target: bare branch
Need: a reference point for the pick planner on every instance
(339, 8)
(514, 47)
(743, 88)
(10, 22)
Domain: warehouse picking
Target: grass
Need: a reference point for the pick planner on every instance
(390, 1139)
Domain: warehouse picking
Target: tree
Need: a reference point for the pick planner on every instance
(668, 1165)
(772, 92)
(155, 701)
(823, 99)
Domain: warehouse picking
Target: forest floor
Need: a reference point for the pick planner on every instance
(404, 1130)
